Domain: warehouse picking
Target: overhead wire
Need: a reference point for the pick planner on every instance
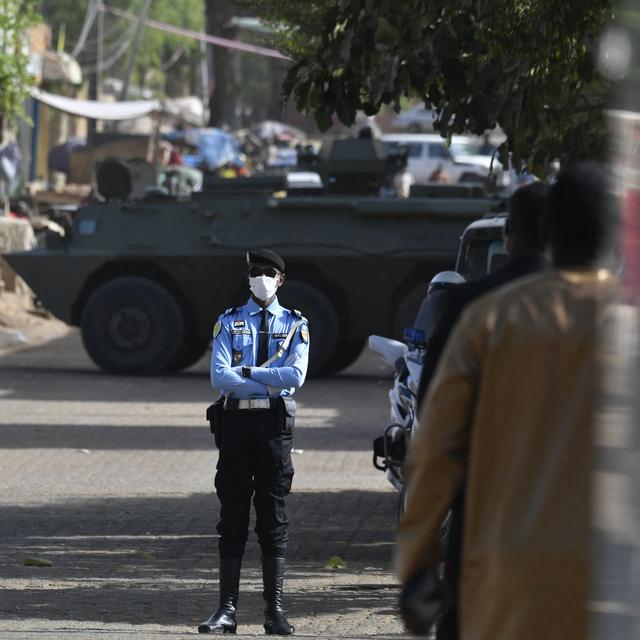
(108, 48)
(204, 37)
(116, 28)
(177, 54)
(89, 19)
(107, 63)
(113, 54)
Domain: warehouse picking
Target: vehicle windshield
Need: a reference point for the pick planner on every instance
(481, 258)
(393, 146)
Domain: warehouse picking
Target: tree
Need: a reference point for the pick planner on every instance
(528, 66)
(221, 102)
(246, 88)
(15, 79)
(296, 26)
(165, 62)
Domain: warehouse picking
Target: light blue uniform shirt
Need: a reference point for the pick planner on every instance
(235, 344)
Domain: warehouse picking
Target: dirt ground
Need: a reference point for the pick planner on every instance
(19, 315)
(110, 480)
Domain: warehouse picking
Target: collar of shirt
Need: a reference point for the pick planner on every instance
(274, 308)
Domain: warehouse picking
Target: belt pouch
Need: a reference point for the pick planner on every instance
(214, 416)
(286, 414)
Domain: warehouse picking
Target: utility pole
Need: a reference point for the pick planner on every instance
(100, 50)
(204, 78)
(134, 49)
(95, 76)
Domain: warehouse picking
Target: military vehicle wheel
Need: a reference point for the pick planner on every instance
(323, 321)
(191, 350)
(347, 352)
(132, 325)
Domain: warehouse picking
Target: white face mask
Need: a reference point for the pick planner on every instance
(263, 287)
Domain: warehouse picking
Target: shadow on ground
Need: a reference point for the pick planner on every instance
(168, 438)
(31, 374)
(153, 560)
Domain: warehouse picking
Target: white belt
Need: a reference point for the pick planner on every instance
(254, 403)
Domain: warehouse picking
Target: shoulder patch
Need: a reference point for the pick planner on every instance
(304, 334)
(216, 328)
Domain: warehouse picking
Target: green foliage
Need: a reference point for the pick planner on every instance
(15, 80)
(158, 47)
(166, 63)
(526, 65)
(296, 24)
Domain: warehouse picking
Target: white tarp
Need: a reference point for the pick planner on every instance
(99, 110)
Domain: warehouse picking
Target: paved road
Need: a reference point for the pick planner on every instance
(110, 479)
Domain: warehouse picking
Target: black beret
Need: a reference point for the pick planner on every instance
(265, 256)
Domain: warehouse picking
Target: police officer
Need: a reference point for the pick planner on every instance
(260, 355)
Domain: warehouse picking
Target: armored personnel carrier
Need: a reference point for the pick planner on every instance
(146, 279)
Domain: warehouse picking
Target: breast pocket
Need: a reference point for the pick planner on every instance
(242, 345)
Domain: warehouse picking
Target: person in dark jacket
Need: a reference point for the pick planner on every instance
(525, 242)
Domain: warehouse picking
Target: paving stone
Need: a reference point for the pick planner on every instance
(111, 479)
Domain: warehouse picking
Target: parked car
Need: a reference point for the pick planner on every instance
(417, 119)
(477, 151)
(428, 152)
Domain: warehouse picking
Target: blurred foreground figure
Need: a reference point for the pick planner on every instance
(525, 242)
(509, 414)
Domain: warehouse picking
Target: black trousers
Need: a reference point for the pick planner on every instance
(255, 462)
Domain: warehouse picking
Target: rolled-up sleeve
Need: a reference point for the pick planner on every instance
(294, 370)
(224, 377)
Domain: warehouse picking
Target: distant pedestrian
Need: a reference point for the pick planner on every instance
(508, 415)
(260, 356)
(440, 174)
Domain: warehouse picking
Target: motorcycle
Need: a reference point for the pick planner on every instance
(406, 359)
(390, 449)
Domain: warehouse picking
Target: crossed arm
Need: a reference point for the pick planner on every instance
(229, 378)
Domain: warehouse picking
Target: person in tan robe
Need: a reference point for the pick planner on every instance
(510, 414)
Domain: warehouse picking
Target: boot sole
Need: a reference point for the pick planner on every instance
(269, 631)
(216, 632)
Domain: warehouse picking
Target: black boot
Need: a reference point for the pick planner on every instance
(272, 578)
(224, 619)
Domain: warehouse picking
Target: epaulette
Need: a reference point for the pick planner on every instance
(229, 310)
(297, 313)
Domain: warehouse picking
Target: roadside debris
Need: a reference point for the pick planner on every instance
(37, 562)
(335, 562)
